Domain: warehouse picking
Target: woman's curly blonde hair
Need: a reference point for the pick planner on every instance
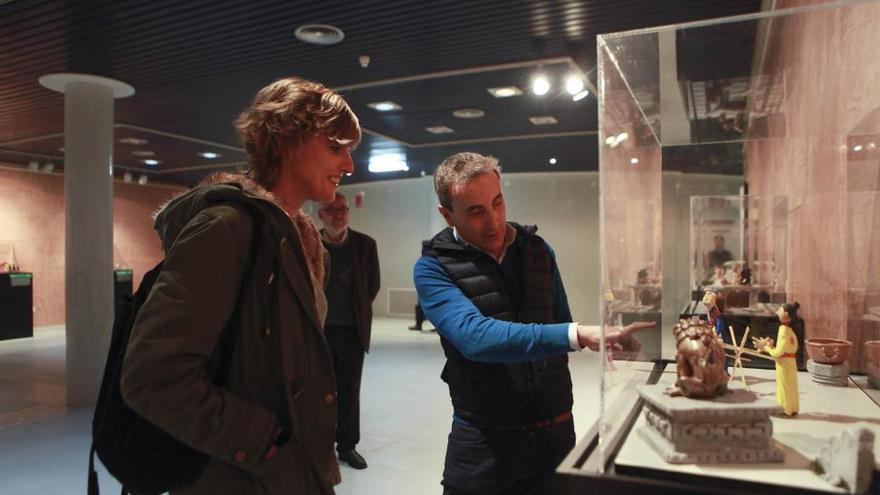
(283, 115)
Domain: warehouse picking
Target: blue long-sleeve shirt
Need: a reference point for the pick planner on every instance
(480, 338)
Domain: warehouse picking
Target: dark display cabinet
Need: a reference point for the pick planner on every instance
(16, 305)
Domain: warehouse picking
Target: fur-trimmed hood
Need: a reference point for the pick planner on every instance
(222, 187)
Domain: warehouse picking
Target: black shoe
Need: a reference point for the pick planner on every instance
(415, 327)
(353, 459)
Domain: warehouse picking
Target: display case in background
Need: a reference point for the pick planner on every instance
(764, 129)
(122, 278)
(16, 305)
(16, 296)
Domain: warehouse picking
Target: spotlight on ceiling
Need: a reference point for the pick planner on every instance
(634, 161)
(210, 155)
(388, 162)
(468, 113)
(580, 96)
(574, 85)
(384, 106)
(151, 162)
(440, 129)
(553, 161)
(319, 34)
(133, 141)
(143, 153)
(543, 120)
(504, 91)
(540, 85)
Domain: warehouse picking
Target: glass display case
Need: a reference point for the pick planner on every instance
(740, 157)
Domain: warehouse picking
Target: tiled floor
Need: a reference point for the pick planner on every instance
(406, 415)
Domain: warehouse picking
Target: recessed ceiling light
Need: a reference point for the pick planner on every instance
(634, 161)
(440, 129)
(504, 91)
(133, 141)
(142, 153)
(384, 106)
(468, 113)
(580, 96)
(574, 85)
(210, 155)
(540, 85)
(388, 162)
(152, 162)
(857, 147)
(319, 34)
(553, 161)
(546, 120)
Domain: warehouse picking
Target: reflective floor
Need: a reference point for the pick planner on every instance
(405, 419)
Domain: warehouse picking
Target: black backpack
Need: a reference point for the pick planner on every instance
(144, 458)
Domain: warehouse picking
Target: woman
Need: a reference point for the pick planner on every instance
(785, 354)
(269, 428)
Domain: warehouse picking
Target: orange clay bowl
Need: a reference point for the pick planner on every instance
(828, 351)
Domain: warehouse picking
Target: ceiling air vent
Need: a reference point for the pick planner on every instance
(319, 34)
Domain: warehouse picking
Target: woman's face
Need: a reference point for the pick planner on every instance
(314, 168)
(783, 315)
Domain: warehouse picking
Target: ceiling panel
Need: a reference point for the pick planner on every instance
(196, 64)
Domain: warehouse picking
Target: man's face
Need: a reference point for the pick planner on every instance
(335, 215)
(719, 242)
(478, 212)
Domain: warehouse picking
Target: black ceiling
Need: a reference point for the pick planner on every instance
(195, 64)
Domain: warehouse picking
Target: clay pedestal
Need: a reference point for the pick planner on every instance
(836, 375)
(733, 428)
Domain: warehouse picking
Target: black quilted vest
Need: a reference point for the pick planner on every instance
(507, 394)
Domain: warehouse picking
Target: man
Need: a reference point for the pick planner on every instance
(494, 292)
(718, 256)
(351, 287)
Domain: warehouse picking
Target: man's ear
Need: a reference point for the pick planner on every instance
(447, 215)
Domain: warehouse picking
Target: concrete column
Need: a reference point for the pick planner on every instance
(88, 202)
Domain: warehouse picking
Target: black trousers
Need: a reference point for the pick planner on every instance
(348, 363)
(504, 462)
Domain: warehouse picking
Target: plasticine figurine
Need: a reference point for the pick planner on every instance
(785, 355)
(699, 361)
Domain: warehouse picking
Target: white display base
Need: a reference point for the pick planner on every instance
(824, 412)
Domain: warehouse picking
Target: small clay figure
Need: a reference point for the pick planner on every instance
(702, 373)
(642, 277)
(785, 355)
(745, 276)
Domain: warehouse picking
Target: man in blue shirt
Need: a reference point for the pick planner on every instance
(493, 290)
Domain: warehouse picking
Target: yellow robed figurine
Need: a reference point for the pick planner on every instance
(785, 355)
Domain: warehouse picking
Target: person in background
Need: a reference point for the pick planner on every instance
(351, 287)
(493, 290)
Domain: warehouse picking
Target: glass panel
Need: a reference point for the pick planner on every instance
(742, 156)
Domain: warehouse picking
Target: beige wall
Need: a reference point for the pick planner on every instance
(32, 218)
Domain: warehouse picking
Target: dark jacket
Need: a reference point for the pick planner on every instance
(366, 283)
(503, 394)
(281, 374)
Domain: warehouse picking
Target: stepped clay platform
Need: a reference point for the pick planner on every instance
(733, 428)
